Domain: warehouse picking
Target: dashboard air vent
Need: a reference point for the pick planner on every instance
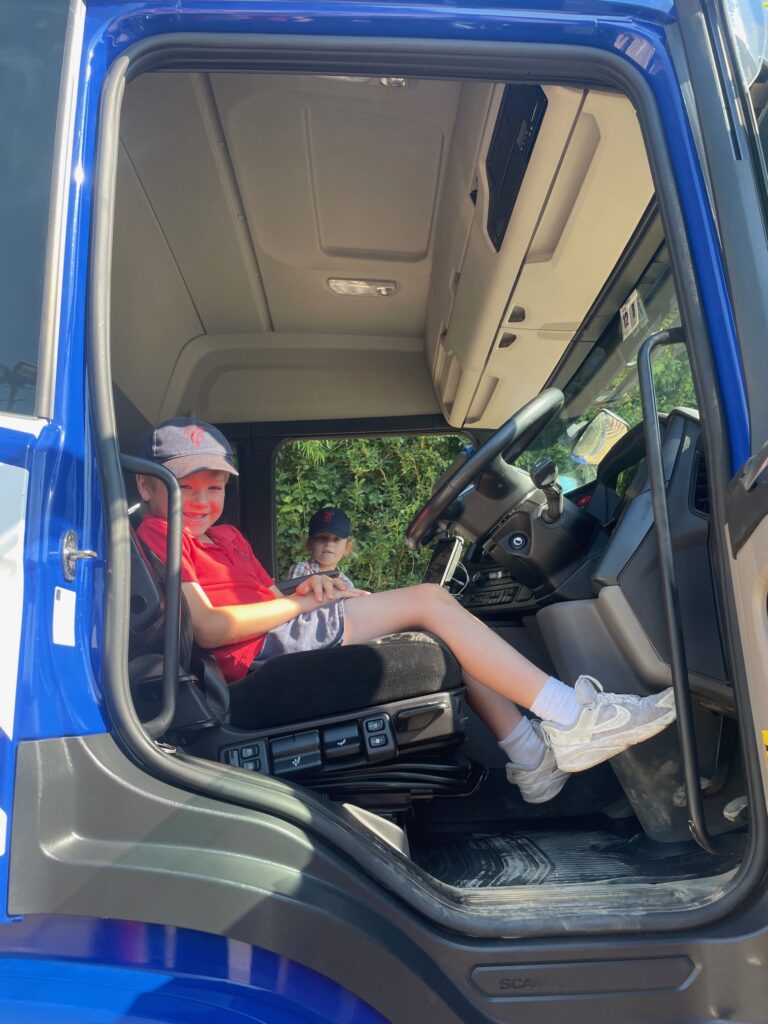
(700, 494)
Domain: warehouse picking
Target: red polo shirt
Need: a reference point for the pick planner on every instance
(228, 572)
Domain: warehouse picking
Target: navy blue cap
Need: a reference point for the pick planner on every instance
(185, 446)
(330, 520)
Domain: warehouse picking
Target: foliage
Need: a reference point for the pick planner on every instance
(672, 381)
(673, 384)
(380, 482)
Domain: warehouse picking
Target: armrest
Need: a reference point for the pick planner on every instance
(287, 587)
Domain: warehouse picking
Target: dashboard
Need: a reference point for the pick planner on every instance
(519, 568)
(491, 587)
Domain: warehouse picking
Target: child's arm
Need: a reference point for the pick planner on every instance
(217, 627)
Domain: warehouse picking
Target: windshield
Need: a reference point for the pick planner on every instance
(608, 380)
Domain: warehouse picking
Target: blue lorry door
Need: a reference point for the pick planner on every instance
(42, 407)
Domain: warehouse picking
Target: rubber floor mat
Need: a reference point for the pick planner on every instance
(484, 860)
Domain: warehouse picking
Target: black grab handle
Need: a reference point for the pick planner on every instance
(654, 461)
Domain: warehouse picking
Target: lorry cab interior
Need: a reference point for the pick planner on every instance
(309, 255)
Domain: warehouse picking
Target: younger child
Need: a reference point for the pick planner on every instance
(240, 615)
(329, 539)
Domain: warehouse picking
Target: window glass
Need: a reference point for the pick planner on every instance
(607, 384)
(746, 37)
(758, 135)
(31, 48)
(380, 482)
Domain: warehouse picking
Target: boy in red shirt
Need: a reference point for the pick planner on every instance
(239, 613)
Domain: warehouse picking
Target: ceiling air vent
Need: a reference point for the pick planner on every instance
(700, 495)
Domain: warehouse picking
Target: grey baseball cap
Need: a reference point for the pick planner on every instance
(185, 446)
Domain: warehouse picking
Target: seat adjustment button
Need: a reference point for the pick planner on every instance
(297, 763)
(301, 743)
(341, 741)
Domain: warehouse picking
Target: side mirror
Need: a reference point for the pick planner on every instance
(598, 437)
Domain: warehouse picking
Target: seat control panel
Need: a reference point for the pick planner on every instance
(251, 756)
(357, 741)
(379, 738)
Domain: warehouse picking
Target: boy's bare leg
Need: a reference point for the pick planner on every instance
(499, 713)
(483, 655)
(581, 725)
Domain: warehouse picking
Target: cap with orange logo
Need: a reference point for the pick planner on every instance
(185, 446)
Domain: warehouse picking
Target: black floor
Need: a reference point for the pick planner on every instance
(477, 860)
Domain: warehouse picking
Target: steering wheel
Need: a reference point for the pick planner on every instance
(512, 438)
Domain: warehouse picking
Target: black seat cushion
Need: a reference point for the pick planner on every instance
(297, 687)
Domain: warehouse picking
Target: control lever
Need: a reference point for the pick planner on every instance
(544, 475)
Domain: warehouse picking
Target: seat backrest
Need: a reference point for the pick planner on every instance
(147, 621)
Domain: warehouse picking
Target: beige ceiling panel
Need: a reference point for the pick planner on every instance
(171, 132)
(378, 202)
(517, 373)
(302, 300)
(339, 179)
(152, 314)
(577, 162)
(393, 389)
(277, 377)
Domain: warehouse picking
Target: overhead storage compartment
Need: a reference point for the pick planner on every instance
(516, 309)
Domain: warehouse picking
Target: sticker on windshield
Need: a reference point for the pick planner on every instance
(632, 315)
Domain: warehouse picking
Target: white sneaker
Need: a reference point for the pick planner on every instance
(608, 724)
(542, 783)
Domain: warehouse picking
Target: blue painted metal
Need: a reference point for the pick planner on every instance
(62, 969)
(58, 692)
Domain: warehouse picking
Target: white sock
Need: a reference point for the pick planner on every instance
(524, 747)
(557, 703)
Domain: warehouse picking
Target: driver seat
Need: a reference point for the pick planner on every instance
(377, 724)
